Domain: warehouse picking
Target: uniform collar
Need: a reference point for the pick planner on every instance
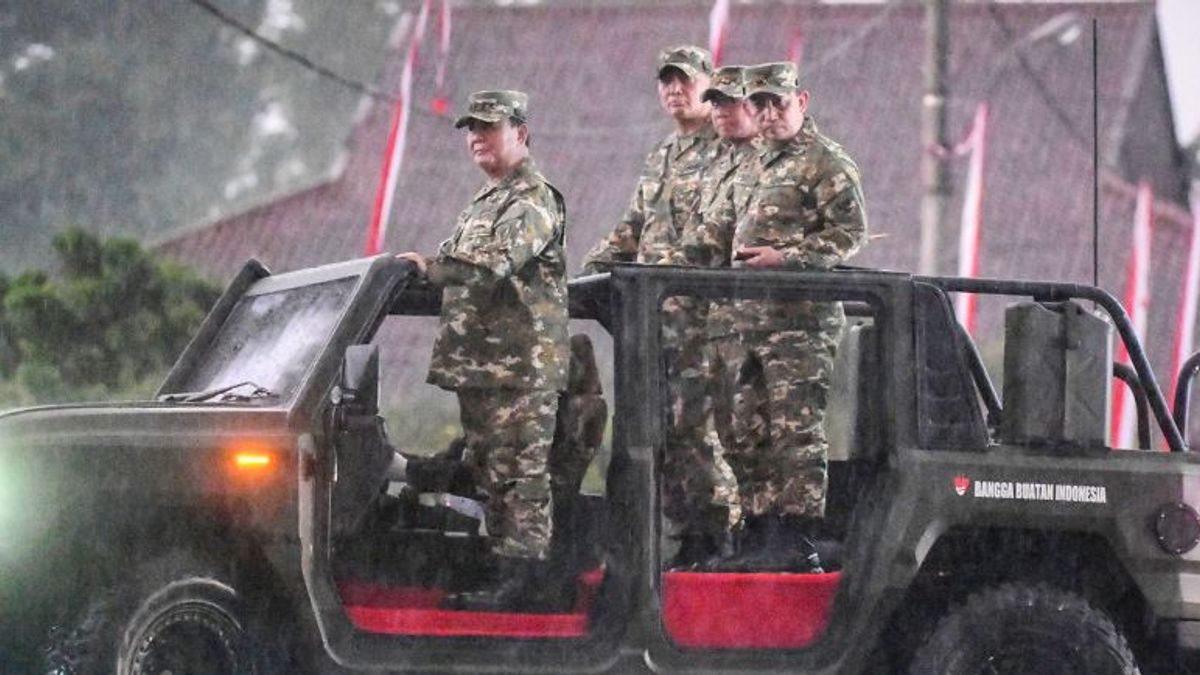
(522, 173)
(754, 146)
(734, 153)
(806, 135)
(704, 134)
(796, 145)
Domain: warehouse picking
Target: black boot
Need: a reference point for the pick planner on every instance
(771, 543)
(722, 549)
(704, 541)
(522, 585)
(748, 538)
(695, 549)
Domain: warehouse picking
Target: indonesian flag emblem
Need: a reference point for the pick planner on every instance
(961, 484)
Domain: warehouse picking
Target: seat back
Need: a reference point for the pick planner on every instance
(582, 416)
(848, 424)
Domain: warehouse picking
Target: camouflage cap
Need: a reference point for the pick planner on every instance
(689, 59)
(727, 81)
(774, 78)
(493, 106)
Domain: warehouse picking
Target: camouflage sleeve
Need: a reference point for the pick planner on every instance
(709, 243)
(524, 228)
(622, 244)
(842, 224)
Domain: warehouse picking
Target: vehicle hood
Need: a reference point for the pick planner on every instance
(137, 423)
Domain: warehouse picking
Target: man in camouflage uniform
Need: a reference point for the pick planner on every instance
(708, 334)
(502, 341)
(805, 211)
(662, 205)
(726, 184)
(669, 185)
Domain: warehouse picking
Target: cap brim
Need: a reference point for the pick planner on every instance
(714, 92)
(466, 119)
(689, 71)
(770, 89)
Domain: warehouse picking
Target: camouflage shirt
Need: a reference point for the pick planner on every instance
(665, 198)
(807, 204)
(504, 302)
(707, 239)
(725, 189)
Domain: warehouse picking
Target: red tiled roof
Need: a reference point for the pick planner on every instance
(589, 72)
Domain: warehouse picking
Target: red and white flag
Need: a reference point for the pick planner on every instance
(397, 136)
(1186, 321)
(441, 102)
(1137, 304)
(972, 216)
(796, 48)
(718, 28)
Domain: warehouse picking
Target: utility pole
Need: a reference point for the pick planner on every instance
(935, 188)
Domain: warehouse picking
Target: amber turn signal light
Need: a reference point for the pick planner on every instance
(251, 458)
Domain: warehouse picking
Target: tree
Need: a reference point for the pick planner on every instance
(8, 348)
(110, 321)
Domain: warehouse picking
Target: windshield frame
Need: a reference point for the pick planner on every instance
(255, 281)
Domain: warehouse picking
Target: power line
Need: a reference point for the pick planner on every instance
(292, 55)
(1039, 86)
(857, 36)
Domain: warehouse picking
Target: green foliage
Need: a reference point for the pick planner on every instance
(8, 348)
(110, 326)
(80, 254)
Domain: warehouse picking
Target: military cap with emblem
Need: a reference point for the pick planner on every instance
(727, 81)
(773, 78)
(688, 59)
(494, 106)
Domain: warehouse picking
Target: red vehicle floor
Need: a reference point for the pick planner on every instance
(414, 611)
(743, 611)
(700, 611)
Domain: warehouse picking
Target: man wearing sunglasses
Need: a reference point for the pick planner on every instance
(706, 330)
(805, 211)
(727, 183)
(649, 232)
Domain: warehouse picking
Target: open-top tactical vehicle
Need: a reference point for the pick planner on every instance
(242, 522)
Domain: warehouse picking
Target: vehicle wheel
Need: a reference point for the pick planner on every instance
(1019, 628)
(175, 615)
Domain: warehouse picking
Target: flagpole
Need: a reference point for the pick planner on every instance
(1190, 292)
(935, 189)
(1137, 303)
(718, 25)
(397, 137)
(972, 218)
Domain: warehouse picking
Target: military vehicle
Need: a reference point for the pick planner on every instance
(242, 521)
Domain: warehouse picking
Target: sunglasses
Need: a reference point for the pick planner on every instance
(721, 100)
(762, 99)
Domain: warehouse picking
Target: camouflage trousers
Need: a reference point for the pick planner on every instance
(778, 386)
(508, 435)
(699, 491)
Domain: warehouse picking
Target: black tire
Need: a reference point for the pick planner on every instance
(176, 614)
(1017, 629)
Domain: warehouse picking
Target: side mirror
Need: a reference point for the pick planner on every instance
(359, 388)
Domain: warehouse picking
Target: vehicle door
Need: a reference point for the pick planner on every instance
(385, 552)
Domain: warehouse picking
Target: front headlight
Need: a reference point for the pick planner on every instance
(10, 479)
(25, 512)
